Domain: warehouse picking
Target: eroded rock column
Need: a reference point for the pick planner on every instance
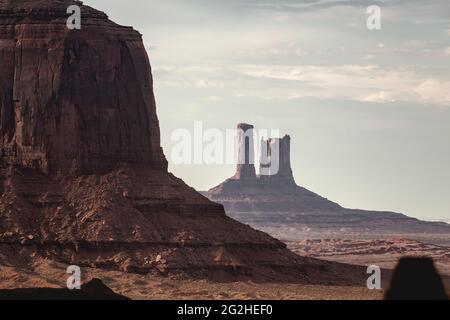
(245, 169)
(276, 165)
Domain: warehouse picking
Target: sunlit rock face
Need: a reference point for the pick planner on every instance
(74, 100)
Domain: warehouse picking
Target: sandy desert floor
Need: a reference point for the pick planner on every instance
(385, 253)
(46, 273)
(381, 252)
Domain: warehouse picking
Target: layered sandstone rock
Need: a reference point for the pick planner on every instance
(83, 178)
(245, 168)
(74, 101)
(277, 168)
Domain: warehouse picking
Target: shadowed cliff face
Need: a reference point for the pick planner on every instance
(74, 100)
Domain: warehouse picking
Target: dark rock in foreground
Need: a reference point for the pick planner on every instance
(416, 279)
(93, 290)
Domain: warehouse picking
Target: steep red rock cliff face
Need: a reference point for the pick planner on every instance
(74, 100)
(83, 178)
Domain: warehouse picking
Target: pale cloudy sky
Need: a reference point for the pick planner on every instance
(368, 111)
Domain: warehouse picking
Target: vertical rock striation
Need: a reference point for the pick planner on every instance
(278, 168)
(245, 168)
(74, 100)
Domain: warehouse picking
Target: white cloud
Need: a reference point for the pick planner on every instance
(213, 98)
(203, 84)
(382, 96)
(281, 18)
(322, 76)
(434, 91)
(277, 54)
(368, 83)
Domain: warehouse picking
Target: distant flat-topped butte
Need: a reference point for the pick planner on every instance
(277, 205)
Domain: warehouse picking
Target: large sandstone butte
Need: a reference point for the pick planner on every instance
(274, 203)
(83, 177)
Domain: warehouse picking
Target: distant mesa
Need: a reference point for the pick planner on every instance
(274, 203)
(246, 193)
